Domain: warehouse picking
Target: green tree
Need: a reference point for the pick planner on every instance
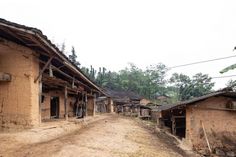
(73, 57)
(232, 84)
(182, 84)
(188, 88)
(231, 67)
(63, 47)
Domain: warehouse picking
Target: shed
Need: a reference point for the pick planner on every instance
(207, 122)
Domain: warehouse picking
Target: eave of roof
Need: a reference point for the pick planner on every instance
(192, 101)
(39, 35)
(122, 94)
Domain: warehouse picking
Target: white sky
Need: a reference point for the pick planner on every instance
(112, 33)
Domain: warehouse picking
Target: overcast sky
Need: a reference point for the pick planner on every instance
(112, 33)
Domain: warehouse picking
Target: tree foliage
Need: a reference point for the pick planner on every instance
(188, 88)
(152, 82)
(232, 84)
(73, 57)
(231, 67)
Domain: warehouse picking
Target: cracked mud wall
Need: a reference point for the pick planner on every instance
(19, 105)
(220, 125)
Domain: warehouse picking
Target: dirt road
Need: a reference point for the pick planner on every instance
(116, 136)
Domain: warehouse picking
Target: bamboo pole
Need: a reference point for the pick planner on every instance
(205, 135)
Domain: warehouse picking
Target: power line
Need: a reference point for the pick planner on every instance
(223, 76)
(199, 62)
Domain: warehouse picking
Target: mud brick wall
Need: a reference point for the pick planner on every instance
(110, 106)
(19, 100)
(155, 115)
(70, 104)
(46, 105)
(91, 106)
(144, 101)
(220, 125)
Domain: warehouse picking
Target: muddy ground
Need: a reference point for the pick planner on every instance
(112, 136)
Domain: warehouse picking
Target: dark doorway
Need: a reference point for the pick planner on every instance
(54, 107)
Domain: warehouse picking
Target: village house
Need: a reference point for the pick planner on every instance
(37, 81)
(207, 123)
(145, 101)
(155, 111)
(123, 100)
(104, 104)
(129, 103)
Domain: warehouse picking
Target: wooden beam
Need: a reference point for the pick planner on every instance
(36, 42)
(5, 77)
(68, 76)
(215, 108)
(50, 70)
(14, 34)
(44, 68)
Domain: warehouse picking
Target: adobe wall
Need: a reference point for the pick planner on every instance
(220, 125)
(100, 107)
(144, 101)
(19, 100)
(91, 106)
(110, 106)
(155, 115)
(45, 106)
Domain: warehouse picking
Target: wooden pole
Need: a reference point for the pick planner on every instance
(70, 77)
(173, 125)
(83, 105)
(65, 103)
(94, 104)
(73, 82)
(205, 135)
(40, 99)
(50, 70)
(77, 105)
(86, 104)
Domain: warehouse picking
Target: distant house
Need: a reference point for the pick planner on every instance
(144, 101)
(121, 98)
(209, 118)
(155, 112)
(128, 103)
(104, 104)
(37, 81)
